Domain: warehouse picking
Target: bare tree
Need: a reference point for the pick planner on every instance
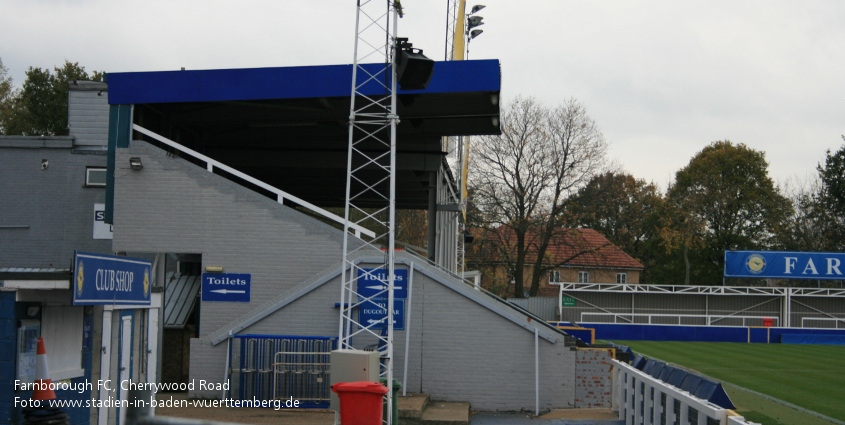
(522, 179)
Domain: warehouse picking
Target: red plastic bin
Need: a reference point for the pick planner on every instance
(768, 322)
(360, 402)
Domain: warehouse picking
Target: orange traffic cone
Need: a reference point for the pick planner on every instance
(43, 384)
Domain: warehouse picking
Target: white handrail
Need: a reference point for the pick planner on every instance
(823, 319)
(710, 317)
(281, 195)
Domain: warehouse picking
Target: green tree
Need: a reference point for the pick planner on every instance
(819, 220)
(832, 175)
(809, 228)
(725, 199)
(620, 207)
(40, 107)
(7, 97)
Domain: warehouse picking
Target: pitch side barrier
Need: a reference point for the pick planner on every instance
(641, 399)
(755, 334)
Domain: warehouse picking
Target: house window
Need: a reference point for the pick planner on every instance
(554, 276)
(621, 277)
(583, 277)
(95, 177)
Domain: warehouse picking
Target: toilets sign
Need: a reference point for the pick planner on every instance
(226, 287)
(373, 281)
(785, 265)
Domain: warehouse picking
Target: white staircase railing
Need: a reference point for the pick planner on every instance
(281, 195)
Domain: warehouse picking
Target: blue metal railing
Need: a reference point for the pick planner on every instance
(282, 367)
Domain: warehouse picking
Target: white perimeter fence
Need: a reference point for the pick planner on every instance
(643, 400)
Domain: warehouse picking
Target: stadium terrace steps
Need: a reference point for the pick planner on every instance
(417, 409)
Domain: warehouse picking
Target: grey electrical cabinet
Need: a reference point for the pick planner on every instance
(353, 366)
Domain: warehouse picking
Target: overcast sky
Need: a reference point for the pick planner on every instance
(663, 79)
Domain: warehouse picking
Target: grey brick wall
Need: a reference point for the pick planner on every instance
(460, 350)
(469, 353)
(46, 214)
(88, 113)
(174, 206)
(208, 362)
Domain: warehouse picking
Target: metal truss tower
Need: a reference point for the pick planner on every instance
(371, 181)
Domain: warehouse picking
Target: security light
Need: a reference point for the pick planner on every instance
(135, 163)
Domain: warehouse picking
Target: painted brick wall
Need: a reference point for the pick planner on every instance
(459, 350)
(593, 382)
(88, 113)
(53, 202)
(471, 354)
(174, 206)
(208, 362)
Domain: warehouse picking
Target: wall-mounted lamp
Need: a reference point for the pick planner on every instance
(44, 164)
(214, 269)
(135, 163)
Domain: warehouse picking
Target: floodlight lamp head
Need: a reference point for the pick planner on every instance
(475, 33)
(474, 21)
(476, 8)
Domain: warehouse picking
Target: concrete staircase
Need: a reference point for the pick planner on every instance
(417, 409)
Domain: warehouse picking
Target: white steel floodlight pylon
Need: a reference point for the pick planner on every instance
(371, 181)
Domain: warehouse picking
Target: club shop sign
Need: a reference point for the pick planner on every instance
(110, 279)
(785, 265)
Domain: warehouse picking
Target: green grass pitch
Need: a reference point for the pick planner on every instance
(809, 376)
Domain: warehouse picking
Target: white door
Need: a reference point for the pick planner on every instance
(125, 362)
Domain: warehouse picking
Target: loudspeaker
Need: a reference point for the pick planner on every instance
(413, 69)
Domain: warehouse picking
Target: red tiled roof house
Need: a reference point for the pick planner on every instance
(574, 255)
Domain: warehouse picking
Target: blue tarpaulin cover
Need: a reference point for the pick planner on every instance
(692, 383)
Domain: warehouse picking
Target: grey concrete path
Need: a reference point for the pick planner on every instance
(525, 419)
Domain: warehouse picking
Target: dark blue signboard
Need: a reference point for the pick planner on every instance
(110, 279)
(373, 312)
(226, 287)
(373, 281)
(785, 265)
